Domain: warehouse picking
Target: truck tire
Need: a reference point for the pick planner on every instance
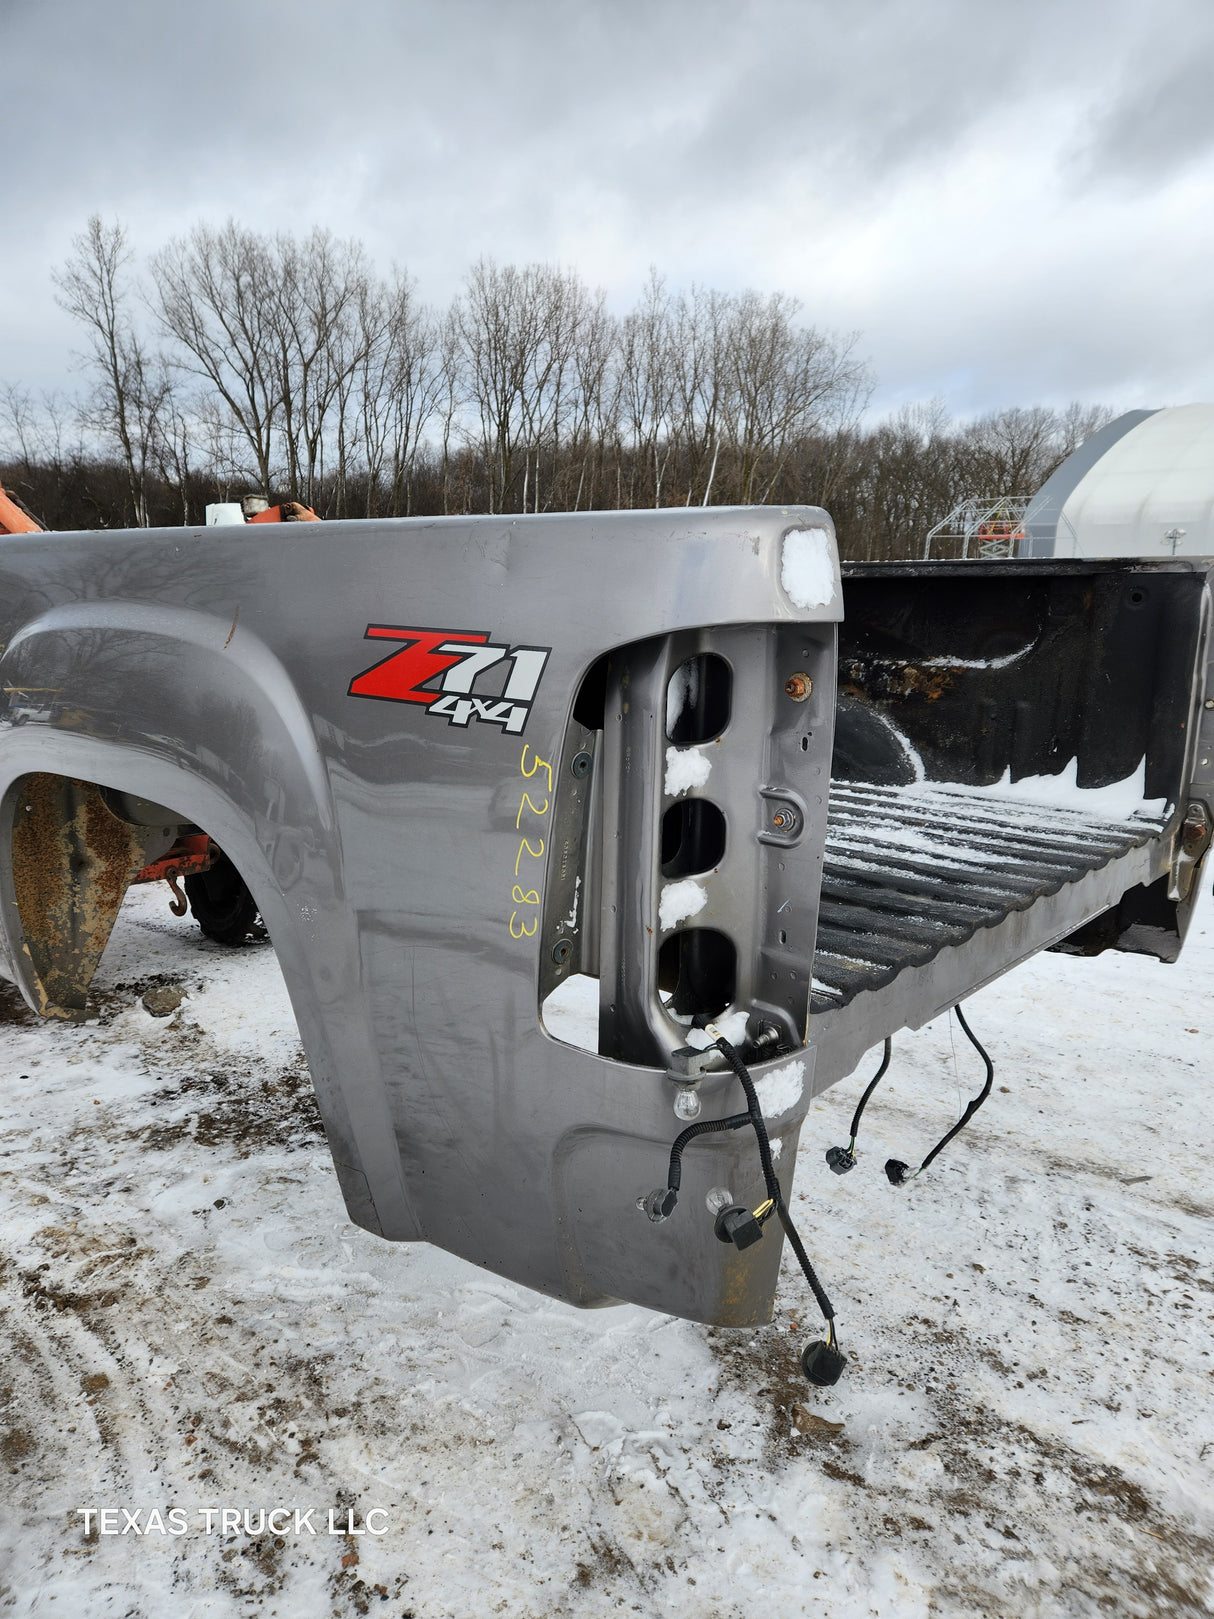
(221, 903)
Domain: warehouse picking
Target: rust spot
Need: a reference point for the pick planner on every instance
(882, 679)
(72, 864)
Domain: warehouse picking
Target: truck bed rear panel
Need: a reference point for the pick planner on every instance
(916, 874)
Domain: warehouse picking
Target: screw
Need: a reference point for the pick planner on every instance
(580, 764)
(1209, 702)
(784, 820)
(798, 686)
(561, 952)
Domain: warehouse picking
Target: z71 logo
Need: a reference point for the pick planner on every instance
(438, 668)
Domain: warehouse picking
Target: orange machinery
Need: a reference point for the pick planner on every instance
(291, 511)
(15, 519)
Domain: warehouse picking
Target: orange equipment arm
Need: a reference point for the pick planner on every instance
(291, 511)
(13, 520)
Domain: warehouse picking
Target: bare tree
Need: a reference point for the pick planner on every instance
(1077, 423)
(400, 388)
(217, 299)
(519, 332)
(173, 443)
(594, 416)
(131, 388)
(699, 377)
(1011, 449)
(646, 386)
(786, 381)
(321, 288)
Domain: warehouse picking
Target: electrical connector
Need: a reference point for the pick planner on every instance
(840, 1159)
(738, 1225)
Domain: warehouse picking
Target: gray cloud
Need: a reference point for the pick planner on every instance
(1009, 201)
(1159, 117)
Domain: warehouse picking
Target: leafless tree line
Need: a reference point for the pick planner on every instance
(243, 363)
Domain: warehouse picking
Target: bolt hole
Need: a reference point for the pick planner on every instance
(783, 936)
(804, 744)
(693, 837)
(698, 697)
(699, 967)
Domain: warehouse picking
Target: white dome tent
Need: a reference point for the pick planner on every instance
(1141, 487)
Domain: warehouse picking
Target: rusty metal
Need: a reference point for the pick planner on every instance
(798, 686)
(73, 860)
(1191, 844)
(188, 856)
(179, 904)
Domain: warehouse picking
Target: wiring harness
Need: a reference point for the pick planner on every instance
(822, 1361)
(841, 1159)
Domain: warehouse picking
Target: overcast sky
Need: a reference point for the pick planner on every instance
(1010, 201)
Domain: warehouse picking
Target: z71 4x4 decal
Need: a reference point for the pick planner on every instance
(438, 668)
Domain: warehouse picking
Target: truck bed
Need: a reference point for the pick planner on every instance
(929, 890)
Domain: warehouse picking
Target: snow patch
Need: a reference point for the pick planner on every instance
(571, 919)
(807, 567)
(732, 1025)
(685, 768)
(505, 1377)
(946, 662)
(781, 1089)
(680, 901)
(571, 1012)
(682, 691)
(1119, 801)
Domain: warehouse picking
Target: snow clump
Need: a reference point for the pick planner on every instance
(807, 569)
(685, 768)
(680, 901)
(781, 1089)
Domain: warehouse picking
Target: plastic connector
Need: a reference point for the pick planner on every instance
(659, 1204)
(897, 1171)
(840, 1159)
(822, 1363)
(737, 1224)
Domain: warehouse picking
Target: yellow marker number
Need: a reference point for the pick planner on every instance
(526, 925)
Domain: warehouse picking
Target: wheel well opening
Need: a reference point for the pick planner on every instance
(76, 848)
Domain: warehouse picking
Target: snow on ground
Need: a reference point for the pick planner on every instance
(188, 1321)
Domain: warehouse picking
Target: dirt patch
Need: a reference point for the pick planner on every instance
(236, 1110)
(1164, 1567)
(13, 1009)
(253, 1569)
(605, 1565)
(16, 1447)
(771, 1358)
(109, 1001)
(996, 1481)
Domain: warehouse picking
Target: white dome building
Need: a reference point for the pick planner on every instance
(1141, 487)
